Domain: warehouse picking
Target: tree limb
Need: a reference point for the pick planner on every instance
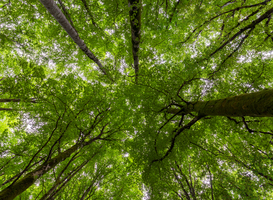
(187, 126)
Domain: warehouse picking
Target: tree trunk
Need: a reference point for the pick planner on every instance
(135, 21)
(54, 10)
(257, 104)
(24, 183)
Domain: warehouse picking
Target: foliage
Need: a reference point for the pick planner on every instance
(126, 145)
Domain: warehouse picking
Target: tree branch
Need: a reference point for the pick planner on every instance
(187, 126)
(174, 9)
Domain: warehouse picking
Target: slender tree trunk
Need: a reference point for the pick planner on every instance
(257, 104)
(24, 183)
(135, 20)
(54, 10)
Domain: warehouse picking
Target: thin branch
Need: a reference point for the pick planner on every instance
(6, 109)
(7, 4)
(223, 13)
(19, 174)
(250, 26)
(165, 124)
(230, 55)
(57, 180)
(33, 157)
(211, 186)
(189, 184)
(174, 10)
(7, 163)
(181, 185)
(247, 166)
(180, 88)
(252, 131)
(227, 3)
(234, 120)
(187, 126)
(92, 17)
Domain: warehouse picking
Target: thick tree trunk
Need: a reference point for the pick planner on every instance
(24, 183)
(257, 104)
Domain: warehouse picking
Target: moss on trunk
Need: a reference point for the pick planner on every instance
(257, 104)
(24, 183)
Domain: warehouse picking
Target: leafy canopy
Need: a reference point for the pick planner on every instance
(82, 130)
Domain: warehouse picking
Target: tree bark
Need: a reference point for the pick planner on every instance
(6, 109)
(23, 184)
(257, 104)
(32, 100)
(54, 10)
(135, 21)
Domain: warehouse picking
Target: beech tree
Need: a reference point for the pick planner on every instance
(114, 99)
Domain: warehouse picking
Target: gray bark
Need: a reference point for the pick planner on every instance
(54, 10)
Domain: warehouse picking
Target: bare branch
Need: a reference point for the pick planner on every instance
(172, 14)
(211, 186)
(7, 4)
(252, 131)
(250, 26)
(6, 109)
(181, 185)
(187, 126)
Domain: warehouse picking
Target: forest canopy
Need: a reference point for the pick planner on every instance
(137, 99)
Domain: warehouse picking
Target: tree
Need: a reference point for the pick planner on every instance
(136, 100)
